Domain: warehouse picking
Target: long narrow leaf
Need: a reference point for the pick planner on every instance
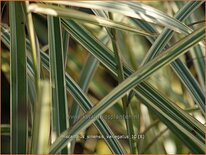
(78, 95)
(86, 105)
(110, 62)
(183, 73)
(33, 47)
(19, 105)
(80, 16)
(85, 78)
(127, 85)
(197, 55)
(104, 55)
(167, 34)
(178, 124)
(134, 10)
(126, 108)
(59, 102)
(42, 119)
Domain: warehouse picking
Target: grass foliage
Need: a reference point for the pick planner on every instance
(74, 67)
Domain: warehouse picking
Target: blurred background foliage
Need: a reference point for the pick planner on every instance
(156, 137)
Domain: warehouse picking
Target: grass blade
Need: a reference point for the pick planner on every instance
(127, 73)
(57, 74)
(101, 124)
(199, 64)
(65, 46)
(197, 54)
(41, 130)
(135, 10)
(181, 124)
(126, 107)
(78, 95)
(86, 105)
(104, 55)
(34, 90)
(85, 78)
(33, 46)
(82, 17)
(19, 117)
(167, 34)
(128, 84)
(183, 73)
(156, 104)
